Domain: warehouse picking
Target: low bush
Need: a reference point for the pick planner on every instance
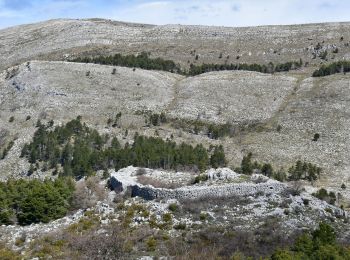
(323, 194)
(33, 201)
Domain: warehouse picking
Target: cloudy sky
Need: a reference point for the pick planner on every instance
(206, 12)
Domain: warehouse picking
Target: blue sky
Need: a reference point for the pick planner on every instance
(205, 12)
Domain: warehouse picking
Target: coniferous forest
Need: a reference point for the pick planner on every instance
(80, 151)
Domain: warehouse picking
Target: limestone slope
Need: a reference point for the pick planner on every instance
(61, 91)
(62, 39)
(234, 97)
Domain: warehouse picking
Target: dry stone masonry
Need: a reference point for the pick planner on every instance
(127, 179)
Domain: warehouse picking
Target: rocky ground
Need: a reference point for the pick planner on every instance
(281, 112)
(253, 200)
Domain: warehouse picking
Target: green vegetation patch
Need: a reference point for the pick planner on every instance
(82, 151)
(33, 201)
(142, 61)
(299, 171)
(320, 244)
(333, 68)
(270, 68)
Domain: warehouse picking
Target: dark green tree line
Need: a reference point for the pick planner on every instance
(144, 61)
(333, 68)
(81, 151)
(269, 68)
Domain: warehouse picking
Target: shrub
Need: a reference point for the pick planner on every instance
(323, 55)
(203, 216)
(200, 178)
(157, 119)
(151, 244)
(167, 217)
(218, 159)
(306, 202)
(6, 150)
(11, 119)
(246, 164)
(28, 118)
(87, 193)
(8, 254)
(343, 186)
(316, 137)
(267, 170)
(34, 201)
(173, 207)
(323, 194)
(180, 226)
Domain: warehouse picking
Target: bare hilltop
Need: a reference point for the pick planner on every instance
(61, 39)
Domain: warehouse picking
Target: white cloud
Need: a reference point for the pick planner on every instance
(9, 14)
(157, 4)
(236, 12)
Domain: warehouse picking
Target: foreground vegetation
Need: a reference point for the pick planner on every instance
(144, 61)
(85, 240)
(33, 201)
(80, 151)
(320, 244)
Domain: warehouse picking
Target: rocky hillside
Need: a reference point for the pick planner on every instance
(294, 103)
(63, 39)
(281, 112)
(214, 119)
